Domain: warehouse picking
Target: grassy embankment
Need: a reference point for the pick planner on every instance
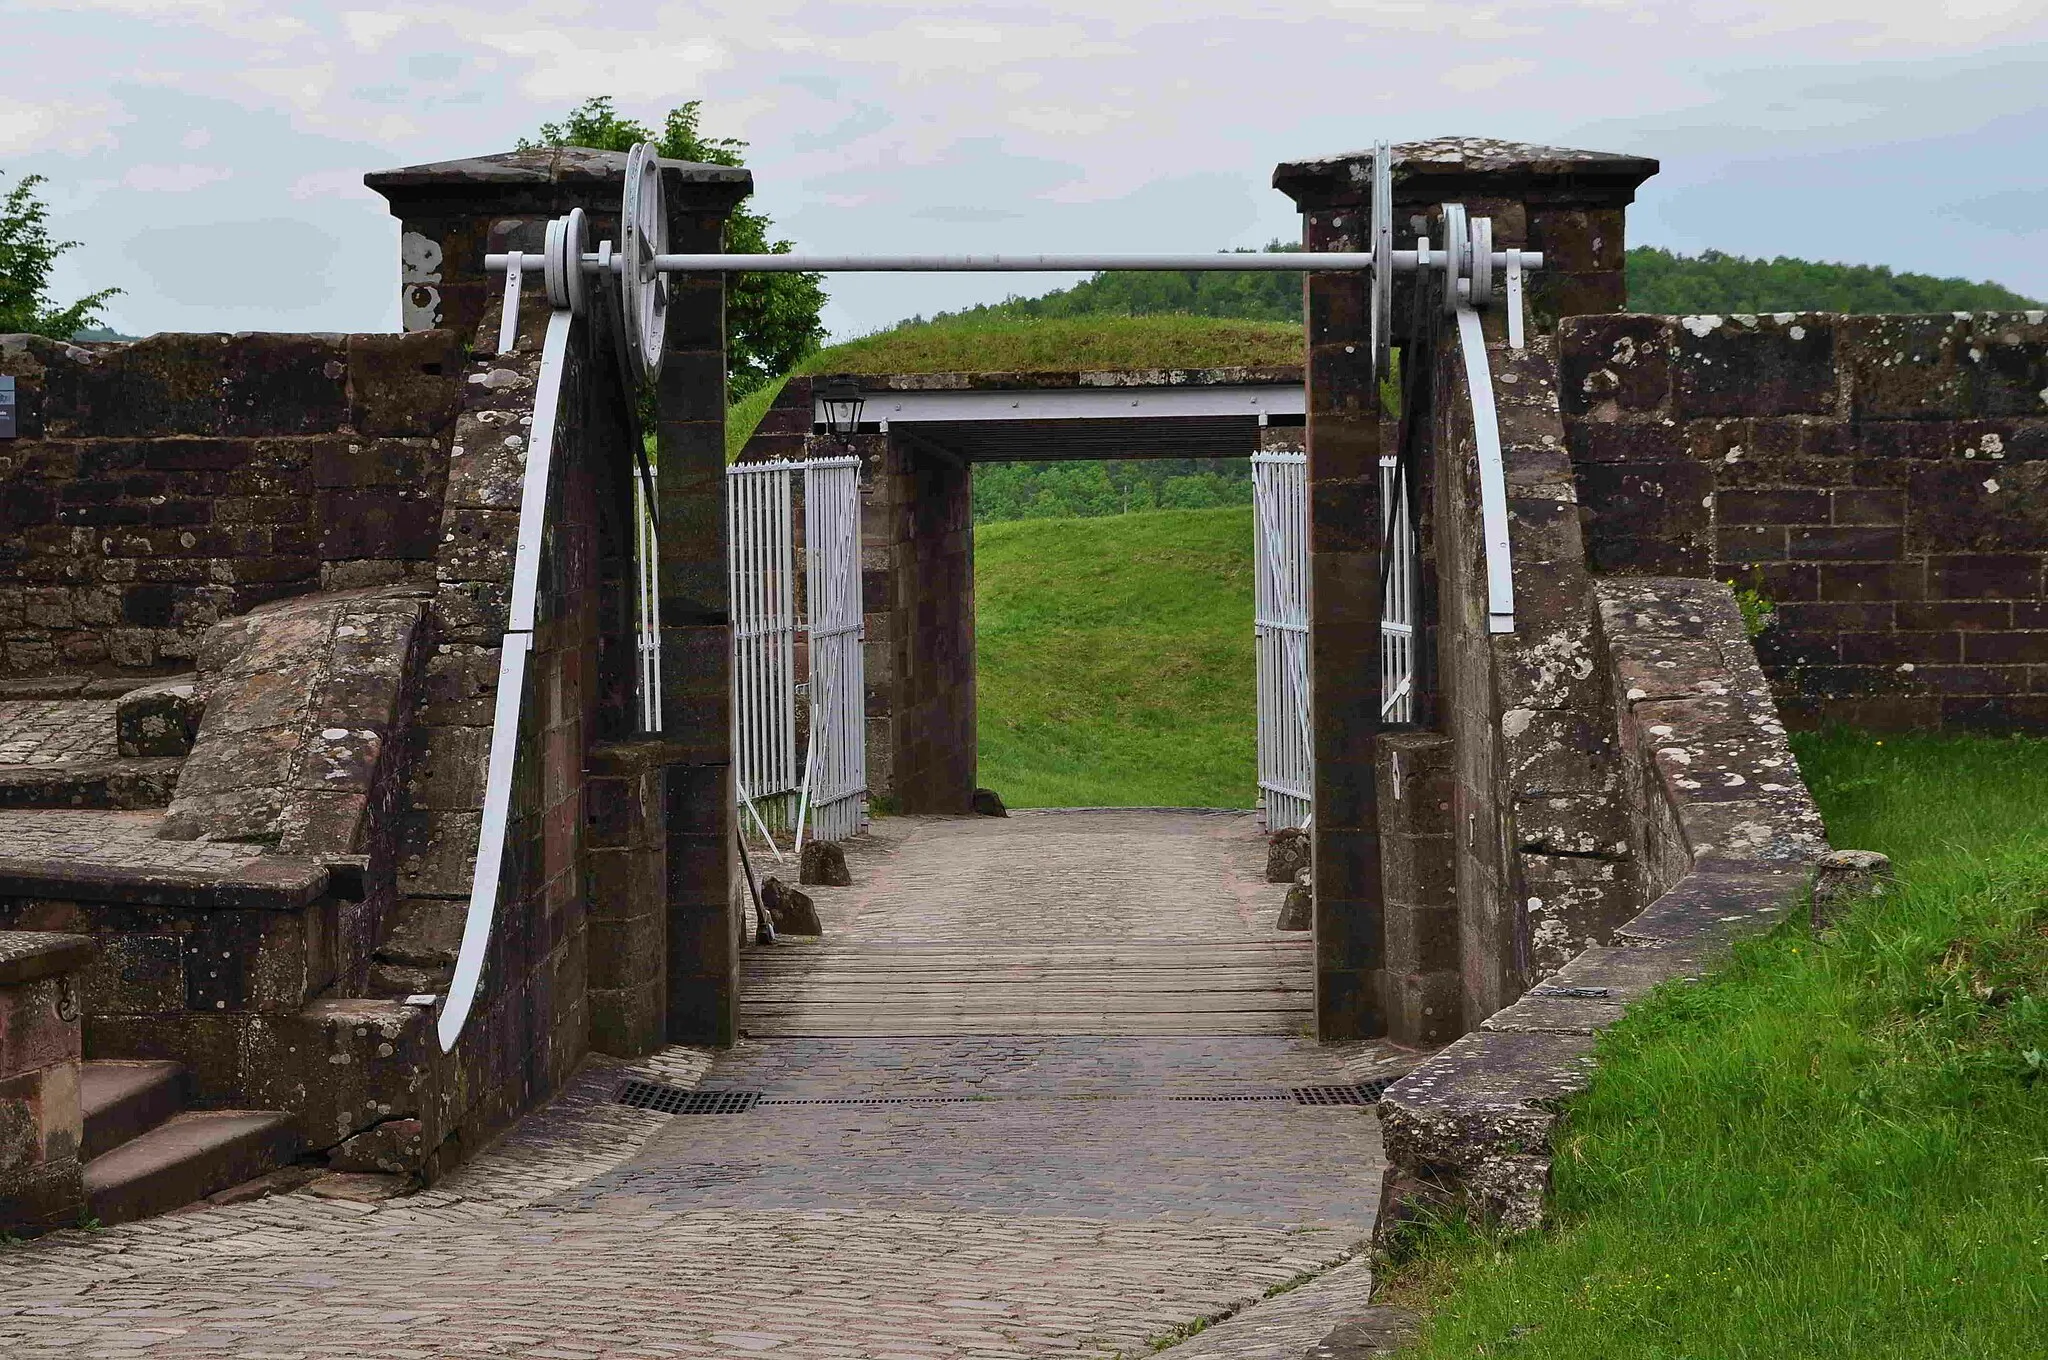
(1115, 659)
(1004, 344)
(1836, 1146)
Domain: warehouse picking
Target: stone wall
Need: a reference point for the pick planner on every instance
(1878, 479)
(1724, 828)
(42, 1127)
(161, 486)
(1541, 865)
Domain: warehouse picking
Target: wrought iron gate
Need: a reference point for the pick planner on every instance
(799, 744)
(836, 760)
(764, 628)
(1280, 546)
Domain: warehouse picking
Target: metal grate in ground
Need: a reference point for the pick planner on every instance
(1354, 1093)
(665, 1099)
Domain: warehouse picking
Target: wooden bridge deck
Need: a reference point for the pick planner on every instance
(1044, 923)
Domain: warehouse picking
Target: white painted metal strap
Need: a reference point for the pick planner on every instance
(1493, 486)
(1514, 300)
(508, 321)
(518, 642)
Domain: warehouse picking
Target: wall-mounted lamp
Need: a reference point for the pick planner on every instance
(842, 401)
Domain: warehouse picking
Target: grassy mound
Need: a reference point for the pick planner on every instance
(1837, 1146)
(1014, 344)
(1115, 659)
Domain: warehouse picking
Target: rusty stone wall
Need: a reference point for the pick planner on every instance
(161, 486)
(42, 1128)
(1877, 479)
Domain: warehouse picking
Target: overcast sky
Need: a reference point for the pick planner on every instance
(209, 153)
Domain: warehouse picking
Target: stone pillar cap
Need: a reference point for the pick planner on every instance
(26, 955)
(1454, 167)
(517, 174)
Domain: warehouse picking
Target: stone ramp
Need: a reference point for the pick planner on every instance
(1105, 922)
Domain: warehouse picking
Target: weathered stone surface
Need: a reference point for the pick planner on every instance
(396, 1147)
(1844, 878)
(1483, 1109)
(987, 803)
(791, 909)
(823, 863)
(1298, 911)
(1287, 854)
(159, 719)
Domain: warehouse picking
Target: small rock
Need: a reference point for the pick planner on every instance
(362, 1187)
(1287, 852)
(988, 804)
(159, 719)
(1842, 878)
(791, 909)
(282, 1181)
(823, 863)
(1298, 912)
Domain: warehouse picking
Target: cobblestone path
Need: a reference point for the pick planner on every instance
(924, 1194)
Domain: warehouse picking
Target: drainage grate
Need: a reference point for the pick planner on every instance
(875, 1100)
(1237, 1097)
(653, 1095)
(1361, 1093)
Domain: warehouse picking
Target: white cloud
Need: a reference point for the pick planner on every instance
(56, 125)
(371, 29)
(174, 179)
(1054, 121)
(570, 64)
(1486, 75)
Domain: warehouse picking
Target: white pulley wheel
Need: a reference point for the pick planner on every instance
(1382, 247)
(551, 274)
(643, 225)
(1482, 261)
(1457, 243)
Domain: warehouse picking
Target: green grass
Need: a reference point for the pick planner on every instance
(1115, 659)
(1006, 344)
(1832, 1147)
(1064, 345)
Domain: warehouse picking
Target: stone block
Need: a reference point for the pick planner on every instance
(1844, 878)
(823, 863)
(1717, 905)
(1613, 364)
(407, 384)
(1744, 365)
(1287, 854)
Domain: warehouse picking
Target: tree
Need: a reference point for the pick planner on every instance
(771, 320)
(26, 254)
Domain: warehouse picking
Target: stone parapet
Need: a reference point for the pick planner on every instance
(1725, 831)
(42, 1127)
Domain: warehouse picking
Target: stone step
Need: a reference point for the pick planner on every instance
(124, 1100)
(186, 1158)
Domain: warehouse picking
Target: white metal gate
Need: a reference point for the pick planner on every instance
(1280, 545)
(1397, 596)
(836, 760)
(764, 627)
(806, 776)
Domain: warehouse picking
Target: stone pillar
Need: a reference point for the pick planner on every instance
(1343, 436)
(696, 625)
(923, 512)
(42, 1128)
(1568, 204)
(1425, 992)
(628, 847)
(452, 213)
